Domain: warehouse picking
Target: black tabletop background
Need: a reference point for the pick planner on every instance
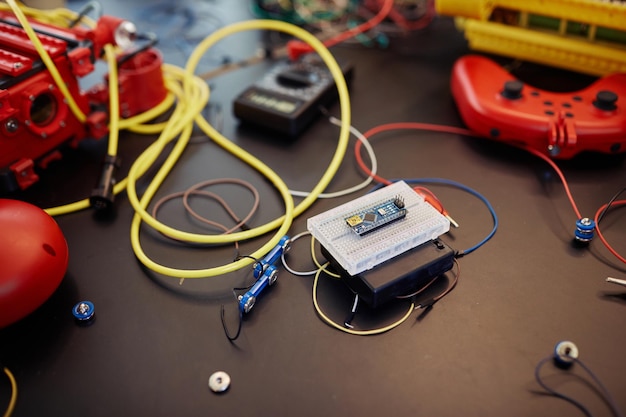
(155, 342)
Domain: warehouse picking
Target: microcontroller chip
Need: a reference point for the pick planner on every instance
(371, 217)
(374, 217)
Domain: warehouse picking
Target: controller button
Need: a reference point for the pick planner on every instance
(577, 98)
(605, 100)
(570, 115)
(548, 103)
(549, 112)
(567, 105)
(512, 90)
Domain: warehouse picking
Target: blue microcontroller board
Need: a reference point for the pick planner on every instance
(377, 216)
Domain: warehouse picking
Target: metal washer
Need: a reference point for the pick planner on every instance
(219, 381)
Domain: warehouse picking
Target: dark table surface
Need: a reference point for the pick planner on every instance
(155, 342)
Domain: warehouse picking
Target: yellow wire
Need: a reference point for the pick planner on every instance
(338, 326)
(238, 151)
(191, 89)
(68, 208)
(54, 72)
(113, 134)
(192, 94)
(134, 122)
(344, 101)
(138, 123)
(120, 186)
(13, 399)
(328, 320)
(58, 17)
(114, 100)
(317, 262)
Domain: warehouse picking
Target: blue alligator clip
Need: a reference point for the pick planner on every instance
(272, 257)
(266, 274)
(246, 301)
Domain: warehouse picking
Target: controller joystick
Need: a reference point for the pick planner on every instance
(495, 104)
(605, 100)
(512, 90)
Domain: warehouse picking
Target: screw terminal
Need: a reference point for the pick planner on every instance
(584, 230)
(272, 257)
(84, 311)
(565, 353)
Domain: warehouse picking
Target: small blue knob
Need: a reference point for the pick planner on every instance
(83, 311)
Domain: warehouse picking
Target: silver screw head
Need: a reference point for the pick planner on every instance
(219, 381)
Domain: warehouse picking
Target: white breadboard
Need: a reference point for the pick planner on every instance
(359, 253)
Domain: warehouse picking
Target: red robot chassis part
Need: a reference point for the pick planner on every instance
(34, 117)
(498, 106)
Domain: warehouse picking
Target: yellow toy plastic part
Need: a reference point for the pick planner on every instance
(543, 48)
(588, 36)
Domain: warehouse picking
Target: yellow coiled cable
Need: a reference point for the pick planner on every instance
(191, 94)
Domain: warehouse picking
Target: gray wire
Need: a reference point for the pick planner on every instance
(284, 261)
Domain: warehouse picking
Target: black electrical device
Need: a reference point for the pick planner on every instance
(288, 98)
(399, 276)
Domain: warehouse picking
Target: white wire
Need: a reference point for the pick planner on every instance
(287, 267)
(368, 180)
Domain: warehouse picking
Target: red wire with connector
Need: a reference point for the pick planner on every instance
(296, 48)
(432, 199)
(428, 195)
(404, 126)
(460, 131)
(573, 203)
(599, 232)
(558, 171)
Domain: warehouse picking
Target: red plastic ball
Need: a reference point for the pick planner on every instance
(33, 259)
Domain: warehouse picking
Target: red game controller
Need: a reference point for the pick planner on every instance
(495, 104)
